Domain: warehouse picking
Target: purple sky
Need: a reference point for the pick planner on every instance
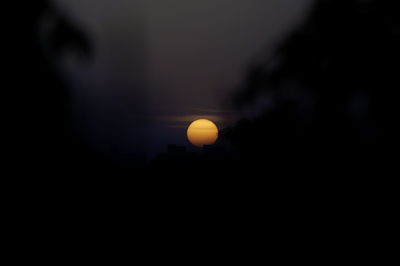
(159, 63)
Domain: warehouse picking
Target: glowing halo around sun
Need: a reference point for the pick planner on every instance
(202, 132)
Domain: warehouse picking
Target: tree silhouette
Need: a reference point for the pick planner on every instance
(42, 128)
(342, 59)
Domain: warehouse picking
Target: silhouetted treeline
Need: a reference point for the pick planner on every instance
(333, 84)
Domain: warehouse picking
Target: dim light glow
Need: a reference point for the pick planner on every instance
(202, 132)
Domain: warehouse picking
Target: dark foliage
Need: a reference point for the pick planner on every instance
(41, 130)
(334, 83)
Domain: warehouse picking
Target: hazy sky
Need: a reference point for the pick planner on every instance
(168, 59)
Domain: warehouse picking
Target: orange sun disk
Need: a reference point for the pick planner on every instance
(202, 132)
